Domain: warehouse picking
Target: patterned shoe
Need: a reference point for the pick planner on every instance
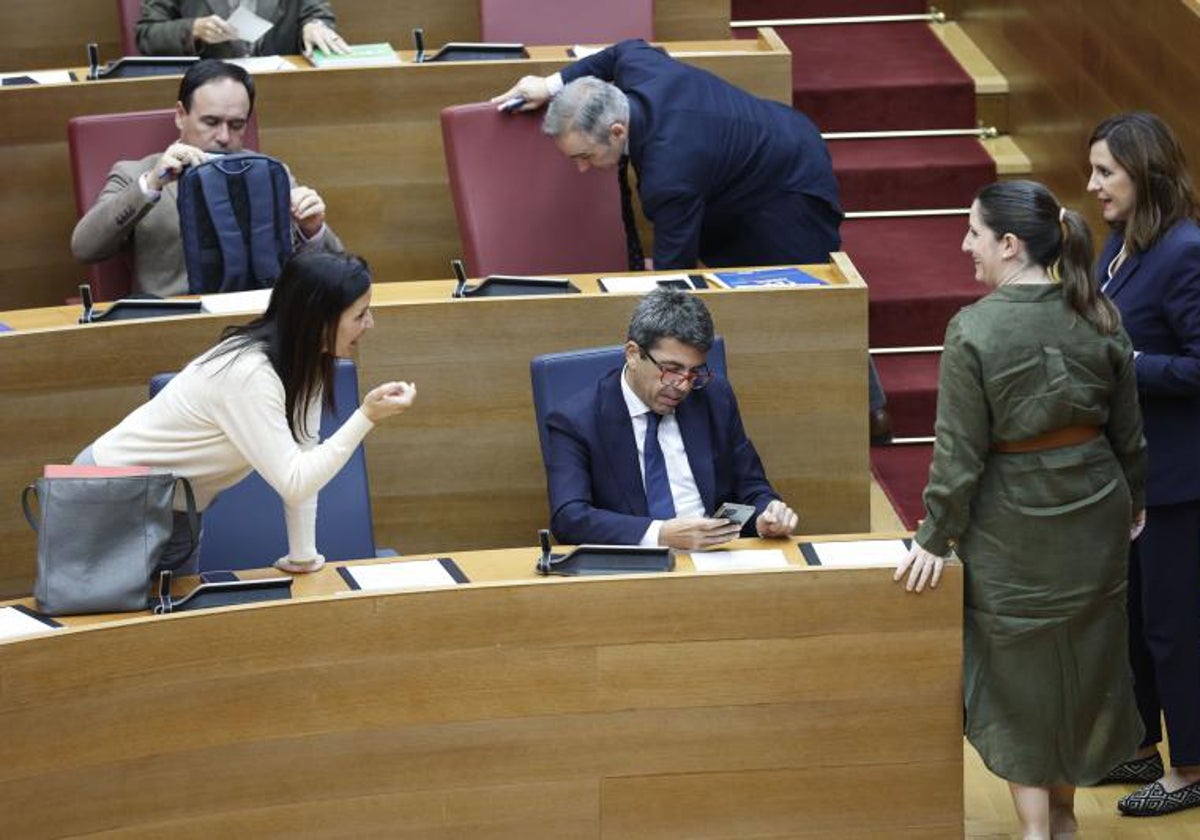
(1153, 800)
(1136, 771)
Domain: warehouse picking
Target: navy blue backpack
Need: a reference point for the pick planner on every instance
(236, 222)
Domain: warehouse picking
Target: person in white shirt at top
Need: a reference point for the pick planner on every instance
(253, 402)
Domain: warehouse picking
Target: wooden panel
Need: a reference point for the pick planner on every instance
(1071, 64)
(39, 34)
(554, 708)
(368, 139)
(463, 468)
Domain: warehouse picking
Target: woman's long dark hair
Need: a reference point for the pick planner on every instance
(1055, 238)
(1150, 152)
(298, 332)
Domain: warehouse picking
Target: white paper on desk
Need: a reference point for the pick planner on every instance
(43, 77)
(262, 63)
(738, 560)
(16, 624)
(236, 303)
(250, 27)
(641, 282)
(579, 51)
(407, 574)
(861, 553)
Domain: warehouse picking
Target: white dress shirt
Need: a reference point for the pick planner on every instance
(684, 492)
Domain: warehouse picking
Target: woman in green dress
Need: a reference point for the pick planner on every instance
(1037, 484)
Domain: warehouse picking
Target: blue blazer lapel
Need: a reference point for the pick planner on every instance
(1123, 274)
(619, 448)
(692, 416)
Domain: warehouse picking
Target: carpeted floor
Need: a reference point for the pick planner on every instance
(893, 76)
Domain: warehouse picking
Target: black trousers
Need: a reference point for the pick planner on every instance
(1164, 627)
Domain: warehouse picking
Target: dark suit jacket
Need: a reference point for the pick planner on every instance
(710, 157)
(1158, 293)
(165, 26)
(595, 481)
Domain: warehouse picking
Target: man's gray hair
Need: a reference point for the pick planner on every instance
(589, 106)
(671, 313)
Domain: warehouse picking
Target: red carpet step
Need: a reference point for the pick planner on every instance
(910, 173)
(871, 77)
(760, 9)
(917, 274)
(902, 472)
(910, 381)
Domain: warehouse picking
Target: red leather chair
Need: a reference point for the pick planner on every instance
(98, 141)
(129, 11)
(565, 21)
(522, 207)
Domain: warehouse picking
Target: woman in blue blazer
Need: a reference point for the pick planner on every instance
(1150, 268)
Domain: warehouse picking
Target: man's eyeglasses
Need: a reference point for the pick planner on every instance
(698, 377)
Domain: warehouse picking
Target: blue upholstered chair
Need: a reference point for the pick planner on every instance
(244, 526)
(557, 377)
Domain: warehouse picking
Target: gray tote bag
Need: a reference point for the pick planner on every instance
(100, 539)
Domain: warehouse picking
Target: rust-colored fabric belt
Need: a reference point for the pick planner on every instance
(1066, 436)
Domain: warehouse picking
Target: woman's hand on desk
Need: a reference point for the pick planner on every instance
(388, 400)
(922, 567)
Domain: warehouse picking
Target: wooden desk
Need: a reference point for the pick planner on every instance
(463, 467)
(369, 139)
(39, 34)
(800, 702)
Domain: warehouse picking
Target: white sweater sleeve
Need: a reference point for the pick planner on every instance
(252, 414)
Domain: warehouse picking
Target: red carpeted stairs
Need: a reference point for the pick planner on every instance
(881, 77)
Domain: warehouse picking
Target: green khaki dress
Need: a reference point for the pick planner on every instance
(1043, 536)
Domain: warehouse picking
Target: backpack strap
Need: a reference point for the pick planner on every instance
(214, 190)
(264, 222)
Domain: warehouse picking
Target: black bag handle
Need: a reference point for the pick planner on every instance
(30, 489)
(193, 523)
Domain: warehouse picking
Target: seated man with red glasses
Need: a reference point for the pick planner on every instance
(650, 454)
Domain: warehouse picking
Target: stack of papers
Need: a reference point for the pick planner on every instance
(360, 55)
(19, 622)
(235, 303)
(872, 553)
(405, 574)
(739, 560)
(641, 283)
(39, 77)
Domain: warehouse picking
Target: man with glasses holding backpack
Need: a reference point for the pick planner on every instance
(650, 454)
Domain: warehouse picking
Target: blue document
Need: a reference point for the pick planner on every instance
(766, 277)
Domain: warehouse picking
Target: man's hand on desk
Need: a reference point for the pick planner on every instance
(533, 90)
(317, 34)
(777, 520)
(697, 534)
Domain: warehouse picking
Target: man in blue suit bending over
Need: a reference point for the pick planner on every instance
(726, 178)
(649, 454)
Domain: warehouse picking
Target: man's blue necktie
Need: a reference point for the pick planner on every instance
(658, 486)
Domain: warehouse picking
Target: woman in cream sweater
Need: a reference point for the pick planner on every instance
(254, 402)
